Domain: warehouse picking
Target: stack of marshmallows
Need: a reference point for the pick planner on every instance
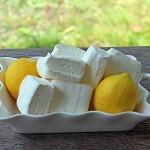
(68, 77)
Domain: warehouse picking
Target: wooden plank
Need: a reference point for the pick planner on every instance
(136, 139)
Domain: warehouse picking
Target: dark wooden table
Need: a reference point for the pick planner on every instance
(139, 138)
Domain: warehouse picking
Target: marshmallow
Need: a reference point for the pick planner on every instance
(119, 62)
(96, 60)
(70, 97)
(61, 68)
(35, 95)
(63, 50)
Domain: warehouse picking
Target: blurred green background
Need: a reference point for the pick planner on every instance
(43, 23)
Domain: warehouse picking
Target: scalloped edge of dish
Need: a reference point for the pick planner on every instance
(91, 121)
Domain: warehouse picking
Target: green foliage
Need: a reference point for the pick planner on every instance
(43, 23)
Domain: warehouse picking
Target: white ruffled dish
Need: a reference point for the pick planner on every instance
(90, 121)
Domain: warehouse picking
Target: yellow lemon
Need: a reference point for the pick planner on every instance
(115, 93)
(16, 72)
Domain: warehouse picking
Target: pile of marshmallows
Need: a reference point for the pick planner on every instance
(69, 75)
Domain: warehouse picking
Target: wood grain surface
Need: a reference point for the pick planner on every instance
(137, 139)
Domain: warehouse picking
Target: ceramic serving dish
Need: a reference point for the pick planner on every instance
(90, 121)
